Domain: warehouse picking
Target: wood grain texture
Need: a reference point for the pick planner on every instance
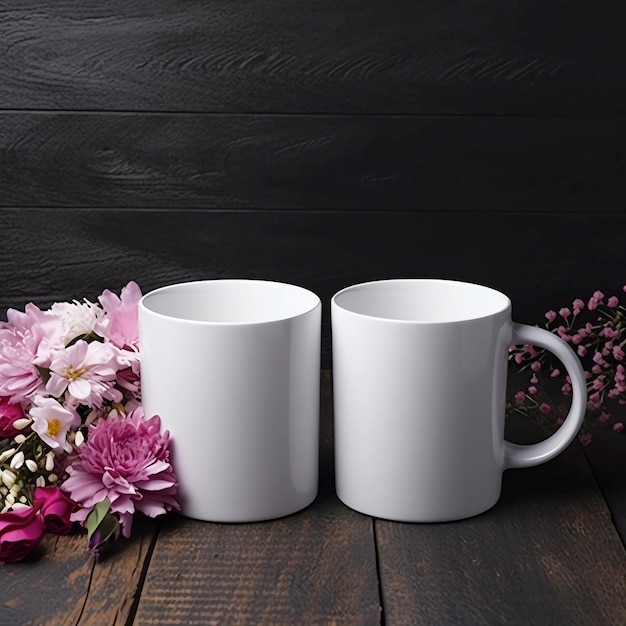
(607, 457)
(51, 255)
(547, 553)
(356, 56)
(316, 162)
(314, 567)
(61, 583)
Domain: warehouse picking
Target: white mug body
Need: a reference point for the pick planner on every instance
(232, 367)
(419, 383)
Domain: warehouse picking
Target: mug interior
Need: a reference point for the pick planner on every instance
(230, 301)
(422, 300)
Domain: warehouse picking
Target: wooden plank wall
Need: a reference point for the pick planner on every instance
(315, 142)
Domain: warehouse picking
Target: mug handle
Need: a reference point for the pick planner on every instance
(516, 455)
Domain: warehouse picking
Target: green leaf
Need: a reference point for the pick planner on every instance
(44, 373)
(98, 513)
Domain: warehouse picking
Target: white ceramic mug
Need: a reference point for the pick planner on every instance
(419, 383)
(233, 369)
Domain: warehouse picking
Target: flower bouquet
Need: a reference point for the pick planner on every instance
(75, 445)
(596, 331)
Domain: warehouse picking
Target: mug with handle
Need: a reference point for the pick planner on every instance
(419, 384)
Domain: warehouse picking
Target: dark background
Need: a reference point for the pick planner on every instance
(313, 141)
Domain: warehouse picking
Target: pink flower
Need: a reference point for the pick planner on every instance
(578, 305)
(550, 316)
(597, 358)
(532, 390)
(120, 326)
(20, 531)
(51, 421)
(598, 295)
(618, 353)
(593, 304)
(535, 366)
(613, 302)
(603, 417)
(87, 371)
(555, 373)
(126, 460)
(55, 508)
(26, 341)
(567, 389)
(9, 414)
(618, 427)
(565, 312)
(519, 397)
(585, 439)
(582, 351)
(545, 408)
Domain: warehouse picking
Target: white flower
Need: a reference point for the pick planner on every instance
(78, 318)
(51, 421)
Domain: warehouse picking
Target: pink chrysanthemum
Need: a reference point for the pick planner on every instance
(125, 459)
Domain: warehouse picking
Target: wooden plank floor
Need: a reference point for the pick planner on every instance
(548, 553)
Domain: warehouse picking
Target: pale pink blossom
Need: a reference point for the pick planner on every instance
(551, 316)
(577, 339)
(582, 351)
(545, 408)
(27, 340)
(578, 305)
(618, 353)
(120, 326)
(598, 358)
(555, 373)
(613, 302)
(585, 439)
(566, 389)
(520, 396)
(564, 312)
(52, 421)
(87, 371)
(535, 366)
(532, 390)
(618, 427)
(125, 459)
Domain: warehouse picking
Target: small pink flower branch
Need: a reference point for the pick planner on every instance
(596, 330)
(75, 445)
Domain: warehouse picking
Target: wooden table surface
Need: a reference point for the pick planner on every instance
(550, 552)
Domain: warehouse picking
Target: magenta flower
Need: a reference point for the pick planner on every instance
(618, 427)
(585, 439)
(20, 531)
(125, 459)
(52, 421)
(545, 408)
(9, 414)
(87, 371)
(520, 396)
(120, 326)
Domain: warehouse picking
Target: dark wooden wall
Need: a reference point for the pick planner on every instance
(312, 141)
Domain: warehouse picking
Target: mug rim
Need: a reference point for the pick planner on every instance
(372, 284)
(303, 292)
